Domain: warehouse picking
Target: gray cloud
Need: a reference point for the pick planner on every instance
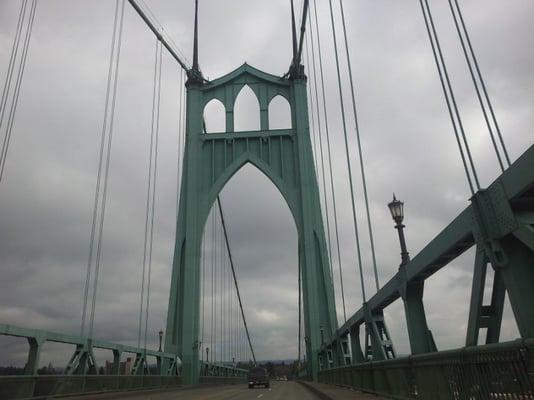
(46, 197)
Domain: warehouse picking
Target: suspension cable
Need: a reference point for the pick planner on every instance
(179, 150)
(100, 165)
(327, 131)
(234, 277)
(302, 31)
(212, 283)
(221, 297)
(477, 89)
(314, 132)
(106, 171)
(155, 170)
(11, 65)
(158, 33)
(320, 134)
(148, 195)
(358, 140)
(202, 341)
(349, 166)
(300, 312)
(16, 92)
(442, 71)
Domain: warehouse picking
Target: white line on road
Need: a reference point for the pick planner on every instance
(260, 395)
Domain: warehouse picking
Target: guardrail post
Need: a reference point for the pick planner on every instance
(421, 340)
(356, 347)
(480, 315)
(33, 355)
(508, 243)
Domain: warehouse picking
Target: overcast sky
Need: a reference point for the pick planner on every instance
(46, 195)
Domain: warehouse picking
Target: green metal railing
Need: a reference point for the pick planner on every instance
(495, 371)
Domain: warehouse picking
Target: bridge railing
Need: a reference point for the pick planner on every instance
(500, 370)
(25, 386)
(500, 223)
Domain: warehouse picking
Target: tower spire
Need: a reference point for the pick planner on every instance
(195, 41)
(293, 31)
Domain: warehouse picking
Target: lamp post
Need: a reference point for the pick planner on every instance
(160, 333)
(396, 207)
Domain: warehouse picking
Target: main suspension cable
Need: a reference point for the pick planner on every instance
(477, 89)
(158, 33)
(235, 277)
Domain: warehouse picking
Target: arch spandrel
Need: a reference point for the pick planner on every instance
(265, 86)
(286, 189)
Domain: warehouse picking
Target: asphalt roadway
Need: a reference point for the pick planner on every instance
(277, 391)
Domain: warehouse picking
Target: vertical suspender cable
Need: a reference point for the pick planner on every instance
(310, 97)
(16, 91)
(11, 65)
(106, 173)
(477, 89)
(349, 166)
(327, 131)
(100, 165)
(155, 170)
(180, 133)
(360, 153)
(442, 71)
(216, 306)
(221, 314)
(148, 195)
(319, 133)
(300, 314)
(212, 283)
(203, 277)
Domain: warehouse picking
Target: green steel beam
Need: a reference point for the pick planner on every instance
(517, 185)
(210, 160)
(49, 336)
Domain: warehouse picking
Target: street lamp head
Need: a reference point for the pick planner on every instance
(396, 207)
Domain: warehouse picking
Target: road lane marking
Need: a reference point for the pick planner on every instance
(260, 395)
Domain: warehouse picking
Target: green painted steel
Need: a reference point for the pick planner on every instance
(23, 387)
(502, 370)
(500, 222)
(81, 374)
(79, 364)
(210, 160)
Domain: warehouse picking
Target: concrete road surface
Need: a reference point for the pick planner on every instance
(277, 391)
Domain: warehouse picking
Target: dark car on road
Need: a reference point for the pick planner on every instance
(258, 376)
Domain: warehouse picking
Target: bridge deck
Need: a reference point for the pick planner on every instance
(277, 391)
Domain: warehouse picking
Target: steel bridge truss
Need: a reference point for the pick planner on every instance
(499, 222)
(82, 375)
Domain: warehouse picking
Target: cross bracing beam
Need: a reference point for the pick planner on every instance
(49, 336)
(516, 184)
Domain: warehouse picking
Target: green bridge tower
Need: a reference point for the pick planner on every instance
(210, 160)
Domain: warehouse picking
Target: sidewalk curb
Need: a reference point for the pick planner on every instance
(314, 390)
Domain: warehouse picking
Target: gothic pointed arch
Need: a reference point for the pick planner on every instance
(246, 110)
